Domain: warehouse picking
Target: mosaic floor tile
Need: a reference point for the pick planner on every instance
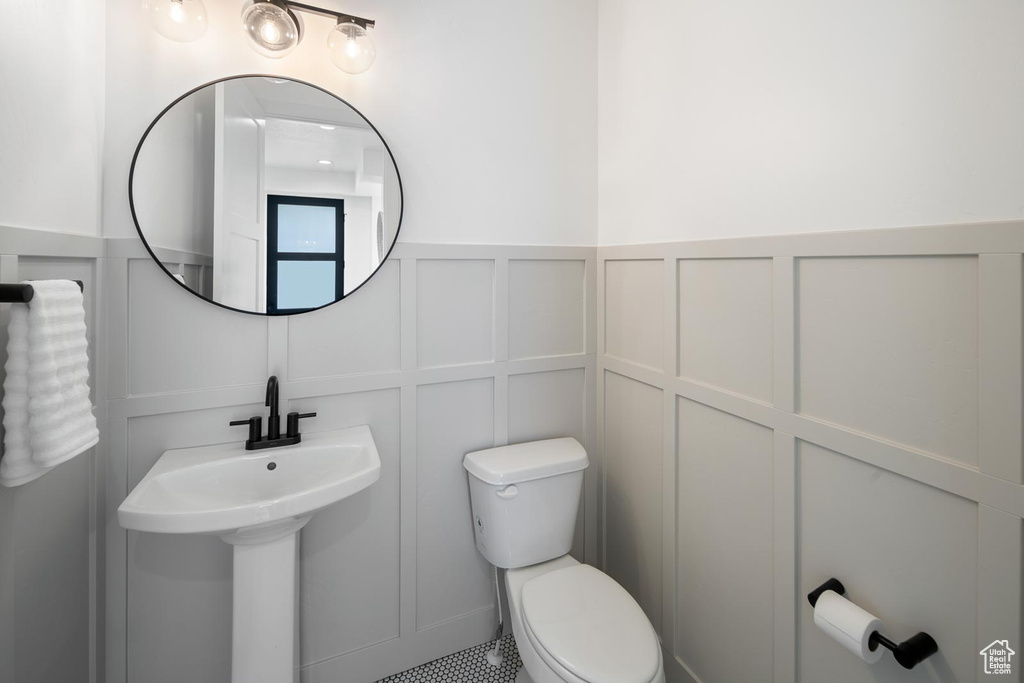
(468, 666)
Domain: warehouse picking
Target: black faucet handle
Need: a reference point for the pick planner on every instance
(293, 423)
(255, 427)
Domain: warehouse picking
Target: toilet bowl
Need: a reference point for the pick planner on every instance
(572, 622)
(575, 624)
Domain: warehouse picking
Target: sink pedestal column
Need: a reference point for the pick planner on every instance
(263, 619)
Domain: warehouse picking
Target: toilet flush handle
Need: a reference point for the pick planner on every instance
(509, 492)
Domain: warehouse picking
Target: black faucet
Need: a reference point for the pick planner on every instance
(273, 439)
(274, 421)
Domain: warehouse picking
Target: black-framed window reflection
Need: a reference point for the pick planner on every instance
(305, 252)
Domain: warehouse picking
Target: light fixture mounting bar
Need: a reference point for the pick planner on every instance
(340, 16)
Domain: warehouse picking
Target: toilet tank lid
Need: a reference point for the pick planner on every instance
(527, 461)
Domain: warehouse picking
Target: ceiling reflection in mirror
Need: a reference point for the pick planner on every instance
(266, 195)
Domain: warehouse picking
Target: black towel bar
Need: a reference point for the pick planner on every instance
(908, 654)
(19, 293)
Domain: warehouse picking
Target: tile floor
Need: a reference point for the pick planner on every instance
(468, 666)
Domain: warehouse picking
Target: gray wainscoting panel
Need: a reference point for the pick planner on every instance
(350, 552)
(906, 552)
(724, 525)
(632, 489)
(178, 342)
(1001, 365)
(634, 294)
(889, 346)
(453, 579)
(725, 324)
(548, 405)
(358, 335)
(847, 404)
(45, 575)
(387, 579)
(455, 312)
(546, 308)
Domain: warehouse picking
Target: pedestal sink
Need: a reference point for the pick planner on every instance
(257, 501)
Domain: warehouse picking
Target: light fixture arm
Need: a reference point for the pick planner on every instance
(340, 16)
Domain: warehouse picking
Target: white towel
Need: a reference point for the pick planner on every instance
(47, 413)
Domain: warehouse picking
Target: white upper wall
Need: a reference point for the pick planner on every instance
(51, 114)
(491, 115)
(722, 119)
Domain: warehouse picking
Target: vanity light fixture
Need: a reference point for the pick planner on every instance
(179, 20)
(274, 31)
(325, 162)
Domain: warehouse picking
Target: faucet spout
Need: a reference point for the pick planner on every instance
(274, 421)
(272, 395)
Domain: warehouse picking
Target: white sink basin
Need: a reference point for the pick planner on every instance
(257, 501)
(224, 489)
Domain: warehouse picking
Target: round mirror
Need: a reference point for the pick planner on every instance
(265, 195)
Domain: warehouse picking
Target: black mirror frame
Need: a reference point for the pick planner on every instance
(152, 254)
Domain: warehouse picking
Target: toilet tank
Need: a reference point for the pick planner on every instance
(525, 499)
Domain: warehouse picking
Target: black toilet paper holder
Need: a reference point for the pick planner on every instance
(908, 654)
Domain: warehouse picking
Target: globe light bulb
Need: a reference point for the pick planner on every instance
(351, 49)
(272, 29)
(270, 32)
(179, 20)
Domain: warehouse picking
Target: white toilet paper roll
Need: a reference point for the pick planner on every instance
(848, 625)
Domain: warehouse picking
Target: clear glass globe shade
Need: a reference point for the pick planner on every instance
(179, 20)
(351, 48)
(272, 30)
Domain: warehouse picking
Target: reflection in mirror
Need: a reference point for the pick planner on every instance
(266, 195)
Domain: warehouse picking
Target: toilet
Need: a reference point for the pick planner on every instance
(572, 622)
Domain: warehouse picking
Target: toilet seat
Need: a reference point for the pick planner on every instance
(588, 628)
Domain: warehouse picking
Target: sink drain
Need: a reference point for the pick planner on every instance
(272, 466)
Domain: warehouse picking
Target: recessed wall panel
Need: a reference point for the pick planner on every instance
(349, 554)
(452, 578)
(889, 346)
(360, 334)
(725, 324)
(634, 315)
(546, 308)
(179, 342)
(904, 551)
(724, 550)
(546, 405)
(549, 405)
(45, 566)
(633, 467)
(454, 312)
